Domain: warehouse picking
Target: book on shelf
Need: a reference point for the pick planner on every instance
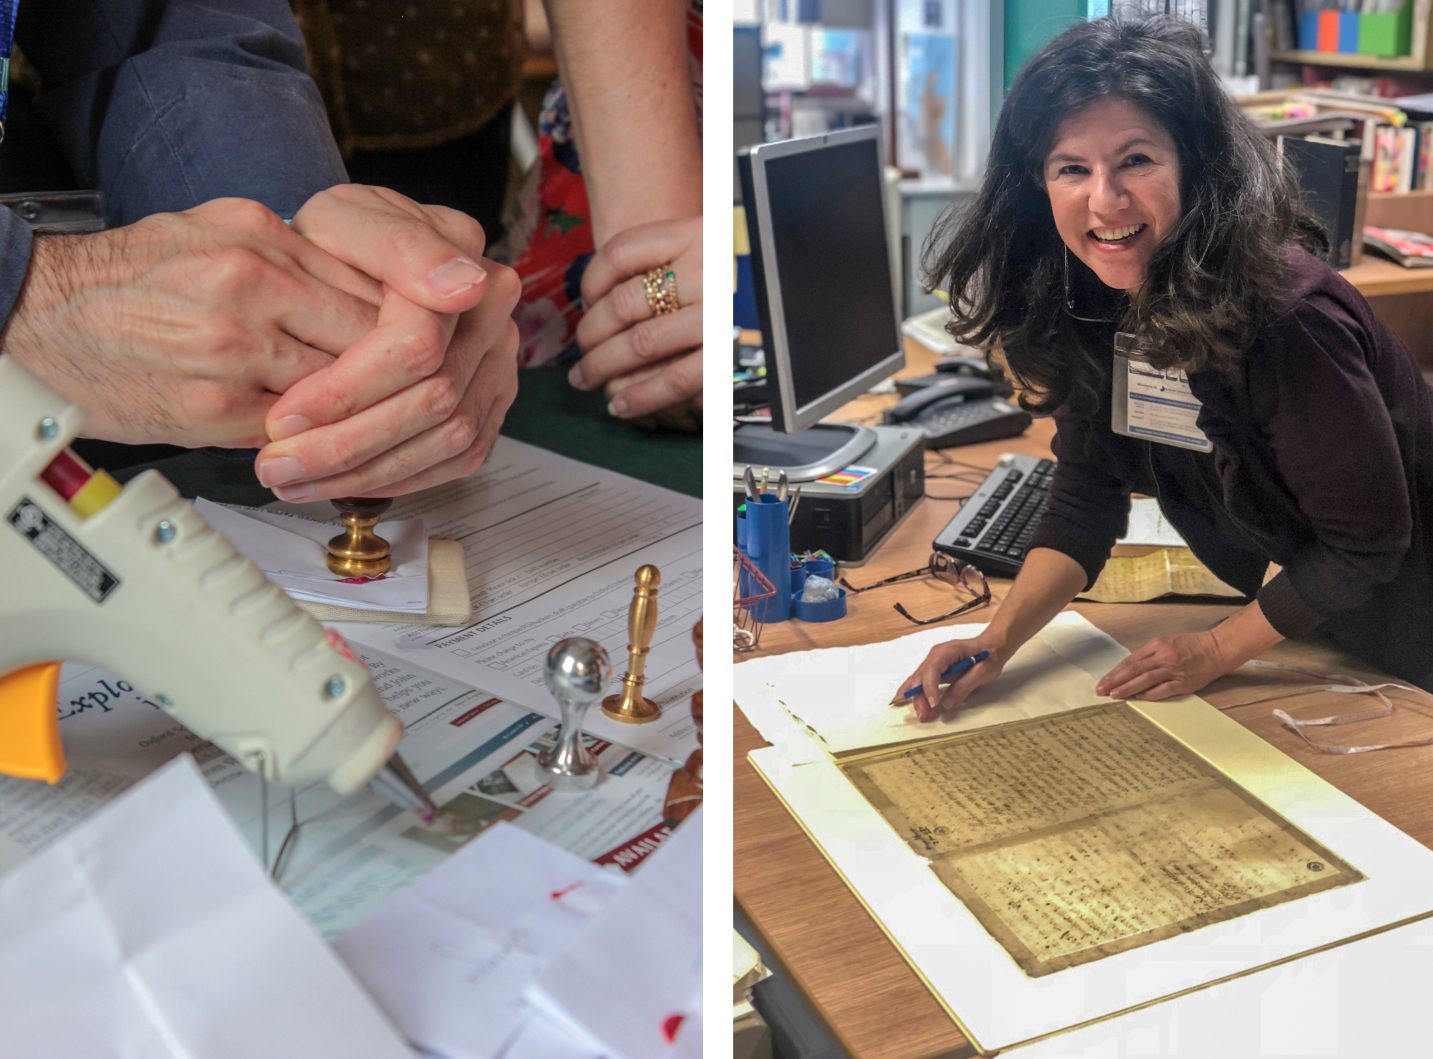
(1424, 155)
(1327, 171)
(1409, 249)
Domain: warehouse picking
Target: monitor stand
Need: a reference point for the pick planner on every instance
(813, 453)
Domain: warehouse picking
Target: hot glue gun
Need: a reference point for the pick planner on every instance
(133, 580)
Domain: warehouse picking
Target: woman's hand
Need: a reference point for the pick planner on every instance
(684, 415)
(932, 700)
(1168, 666)
(646, 363)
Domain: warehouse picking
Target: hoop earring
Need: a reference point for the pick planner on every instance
(1070, 295)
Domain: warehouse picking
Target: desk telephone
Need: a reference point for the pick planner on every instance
(960, 406)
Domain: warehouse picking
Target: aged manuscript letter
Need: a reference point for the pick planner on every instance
(1083, 834)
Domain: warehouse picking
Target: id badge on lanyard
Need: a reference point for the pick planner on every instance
(1153, 404)
(8, 10)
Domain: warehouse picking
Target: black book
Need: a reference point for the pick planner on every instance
(1327, 171)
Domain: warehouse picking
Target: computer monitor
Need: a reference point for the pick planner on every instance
(821, 269)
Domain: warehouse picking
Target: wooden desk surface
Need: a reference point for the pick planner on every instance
(833, 949)
(1376, 277)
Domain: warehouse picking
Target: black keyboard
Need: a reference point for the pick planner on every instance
(994, 527)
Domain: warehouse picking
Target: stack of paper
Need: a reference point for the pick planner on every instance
(290, 550)
(150, 931)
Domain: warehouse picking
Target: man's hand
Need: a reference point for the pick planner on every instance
(645, 363)
(184, 328)
(420, 400)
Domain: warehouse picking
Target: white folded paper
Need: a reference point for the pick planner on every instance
(290, 550)
(451, 958)
(151, 931)
(631, 977)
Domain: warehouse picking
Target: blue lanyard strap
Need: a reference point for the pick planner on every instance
(8, 10)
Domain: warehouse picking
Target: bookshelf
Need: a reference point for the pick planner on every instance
(1377, 277)
(1400, 296)
(1420, 60)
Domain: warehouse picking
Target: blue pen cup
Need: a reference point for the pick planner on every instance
(821, 568)
(826, 609)
(798, 580)
(768, 545)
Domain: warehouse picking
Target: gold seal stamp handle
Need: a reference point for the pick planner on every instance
(630, 706)
(359, 551)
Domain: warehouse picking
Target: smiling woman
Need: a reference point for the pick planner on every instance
(1115, 124)
(1133, 223)
(1113, 181)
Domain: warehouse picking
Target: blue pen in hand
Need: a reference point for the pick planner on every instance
(952, 671)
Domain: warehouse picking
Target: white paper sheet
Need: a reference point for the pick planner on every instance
(551, 547)
(649, 941)
(150, 931)
(1147, 525)
(843, 694)
(290, 550)
(450, 958)
(541, 1038)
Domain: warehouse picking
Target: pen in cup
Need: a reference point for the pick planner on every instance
(952, 671)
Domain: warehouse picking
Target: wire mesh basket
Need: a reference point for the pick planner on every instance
(750, 588)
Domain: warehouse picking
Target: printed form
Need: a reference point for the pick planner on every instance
(551, 548)
(474, 752)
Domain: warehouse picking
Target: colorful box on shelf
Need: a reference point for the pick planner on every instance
(1382, 36)
(1387, 36)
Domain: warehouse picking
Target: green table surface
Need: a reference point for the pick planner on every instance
(552, 415)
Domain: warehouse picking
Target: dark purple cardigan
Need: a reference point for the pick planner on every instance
(1322, 463)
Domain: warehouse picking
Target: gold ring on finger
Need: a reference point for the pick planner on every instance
(660, 287)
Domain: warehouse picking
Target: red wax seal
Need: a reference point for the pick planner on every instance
(670, 1027)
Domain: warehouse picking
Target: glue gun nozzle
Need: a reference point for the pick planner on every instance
(398, 784)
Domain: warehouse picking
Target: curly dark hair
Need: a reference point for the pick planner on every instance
(1209, 282)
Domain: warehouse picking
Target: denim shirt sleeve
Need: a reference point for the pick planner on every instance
(15, 242)
(164, 105)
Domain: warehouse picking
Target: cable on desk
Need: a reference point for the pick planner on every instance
(970, 474)
(934, 496)
(970, 467)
